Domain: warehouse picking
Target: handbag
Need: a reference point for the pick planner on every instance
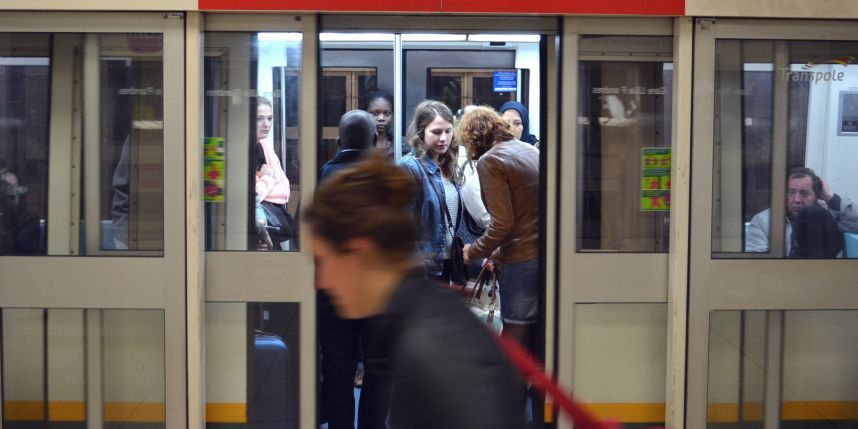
(279, 222)
(481, 296)
(458, 269)
(469, 231)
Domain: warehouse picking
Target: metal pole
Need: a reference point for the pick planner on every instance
(397, 96)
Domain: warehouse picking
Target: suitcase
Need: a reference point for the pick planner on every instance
(268, 402)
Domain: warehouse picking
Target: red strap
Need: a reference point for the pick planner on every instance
(529, 368)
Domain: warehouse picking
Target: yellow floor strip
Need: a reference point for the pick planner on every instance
(622, 412)
(67, 411)
(75, 411)
(225, 412)
(820, 410)
(791, 410)
(23, 410)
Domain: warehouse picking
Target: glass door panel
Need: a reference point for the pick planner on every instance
(773, 190)
(615, 175)
(259, 144)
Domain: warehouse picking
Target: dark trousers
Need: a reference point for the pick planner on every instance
(340, 341)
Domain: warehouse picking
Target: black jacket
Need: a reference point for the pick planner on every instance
(343, 159)
(447, 371)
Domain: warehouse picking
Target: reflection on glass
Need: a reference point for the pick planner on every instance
(134, 383)
(252, 364)
(25, 75)
(809, 368)
(132, 141)
(124, 78)
(814, 80)
(53, 357)
(620, 361)
(736, 367)
(252, 174)
(24, 367)
(625, 132)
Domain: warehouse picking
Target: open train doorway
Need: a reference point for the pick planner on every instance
(388, 65)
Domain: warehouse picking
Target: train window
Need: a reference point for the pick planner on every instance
(61, 366)
(251, 157)
(25, 72)
(620, 361)
(472, 70)
(343, 89)
(91, 106)
(755, 352)
(811, 137)
(131, 142)
(357, 73)
(252, 364)
(624, 139)
(463, 87)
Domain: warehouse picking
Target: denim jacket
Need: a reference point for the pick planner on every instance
(428, 211)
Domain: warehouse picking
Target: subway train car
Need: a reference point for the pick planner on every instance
(699, 199)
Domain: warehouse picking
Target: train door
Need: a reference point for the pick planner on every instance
(91, 243)
(615, 244)
(388, 65)
(772, 285)
(257, 159)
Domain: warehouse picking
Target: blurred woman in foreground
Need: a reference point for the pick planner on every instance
(441, 356)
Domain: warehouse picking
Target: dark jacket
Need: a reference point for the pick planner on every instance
(446, 369)
(509, 178)
(341, 160)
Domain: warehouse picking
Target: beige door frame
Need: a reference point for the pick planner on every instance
(593, 277)
(750, 283)
(119, 282)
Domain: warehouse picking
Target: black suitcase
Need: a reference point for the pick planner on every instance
(268, 404)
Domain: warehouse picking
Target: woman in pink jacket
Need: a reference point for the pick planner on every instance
(272, 186)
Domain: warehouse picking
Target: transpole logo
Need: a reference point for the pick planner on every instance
(808, 74)
(843, 61)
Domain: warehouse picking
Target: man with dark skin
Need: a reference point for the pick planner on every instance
(357, 134)
(340, 338)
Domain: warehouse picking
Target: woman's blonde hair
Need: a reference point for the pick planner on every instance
(479, 128)
(372, 199)
(424, 114)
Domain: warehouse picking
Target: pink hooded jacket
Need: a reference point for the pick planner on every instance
(274, 187)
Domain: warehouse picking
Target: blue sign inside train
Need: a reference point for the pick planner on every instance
(505, 81)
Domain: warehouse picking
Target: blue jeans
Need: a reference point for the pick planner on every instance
(519, 289)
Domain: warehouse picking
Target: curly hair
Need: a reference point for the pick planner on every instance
(424, 114)
(371, 199)
(479, 128)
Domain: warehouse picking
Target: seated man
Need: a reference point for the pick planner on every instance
(19, 227)
(816, 219)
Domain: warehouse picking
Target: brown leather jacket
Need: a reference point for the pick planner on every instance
(509, 177)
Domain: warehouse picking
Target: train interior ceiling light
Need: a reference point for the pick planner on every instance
(428, 37)
(279, 37)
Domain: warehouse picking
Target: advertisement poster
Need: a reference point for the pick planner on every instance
(214, 171)
(655, 180)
